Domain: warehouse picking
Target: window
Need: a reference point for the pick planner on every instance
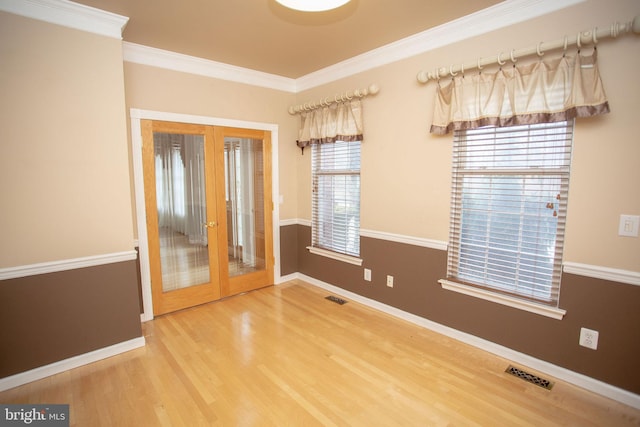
(509, 202)
(336, 197)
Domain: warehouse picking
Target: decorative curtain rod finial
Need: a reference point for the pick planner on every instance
(423, 77)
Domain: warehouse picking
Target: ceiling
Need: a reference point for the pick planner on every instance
(264, 36)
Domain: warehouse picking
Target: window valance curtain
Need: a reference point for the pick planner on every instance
(549, 90)
(335, 122)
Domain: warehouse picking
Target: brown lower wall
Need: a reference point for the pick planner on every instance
(288, 250)
(50, 317)
(608, 307)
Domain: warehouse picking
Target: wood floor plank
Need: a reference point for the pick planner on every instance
(285, 356)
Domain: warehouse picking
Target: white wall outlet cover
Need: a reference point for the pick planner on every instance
(629, 225)
(589, 338)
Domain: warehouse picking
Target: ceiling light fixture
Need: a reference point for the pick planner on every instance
(312, 5)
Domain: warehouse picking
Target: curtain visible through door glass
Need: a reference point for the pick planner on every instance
(182, 210)
(245, 205)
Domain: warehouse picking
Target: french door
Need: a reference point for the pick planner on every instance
(209, 212)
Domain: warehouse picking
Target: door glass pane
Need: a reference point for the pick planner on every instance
(244, 182)
(182, 210)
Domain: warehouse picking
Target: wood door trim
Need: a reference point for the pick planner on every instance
(223, 250)
(177, 127)
(234, 285)
(148, 166)
(194, 295)
(212, 189)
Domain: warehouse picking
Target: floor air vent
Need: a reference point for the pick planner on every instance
(534, 379)
(336, 299)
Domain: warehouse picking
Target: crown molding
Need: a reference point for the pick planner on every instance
(69, 14)
(145, 55)
(73, 15)
(502, 15)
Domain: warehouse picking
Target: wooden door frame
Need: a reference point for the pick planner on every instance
(136, 115)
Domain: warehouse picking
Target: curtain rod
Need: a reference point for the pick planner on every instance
(582, 38)
(358, 93)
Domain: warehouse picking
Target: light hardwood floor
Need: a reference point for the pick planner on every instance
(186, 264)
(285, 356)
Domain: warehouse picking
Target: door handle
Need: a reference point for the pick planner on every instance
(210, 224)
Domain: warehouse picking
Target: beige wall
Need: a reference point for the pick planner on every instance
(406, 171)
(155, 89)
(63, 167)
(66, 122)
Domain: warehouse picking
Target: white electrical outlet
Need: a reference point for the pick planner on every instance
(589, 338)
(367, 274)
(390, 281)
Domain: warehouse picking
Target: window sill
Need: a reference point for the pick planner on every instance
(532, 307)
(334, 255)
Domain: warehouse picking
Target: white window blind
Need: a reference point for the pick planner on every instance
(509, 201)
(336, 197)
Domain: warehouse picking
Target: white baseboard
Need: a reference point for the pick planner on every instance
(70, 363)
(145, 317)
(287, 278)
(580, 380)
